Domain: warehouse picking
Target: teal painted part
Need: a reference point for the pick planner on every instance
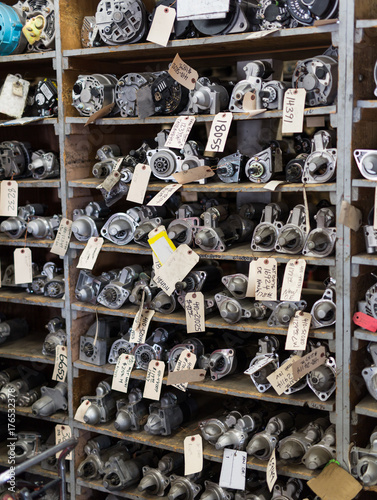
(10, 30)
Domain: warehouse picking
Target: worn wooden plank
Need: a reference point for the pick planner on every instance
(131, 493)
(366, 259)
(367, 406)
(59, 417)
(362, 334)
(15, 296)
(21, 242)
(26, 349)
(31, 57)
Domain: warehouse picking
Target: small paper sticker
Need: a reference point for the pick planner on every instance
(9, 199)
(194, 174)
(61, 364)
(140, 326)
(81, 410)
(23, 266)
(62, 433)
(163, 195)
(282, 378)
(219, 133)
(153, 381)
(293, 111)
(266, 279)
(261, 34)
(176, 268)
(183, 73)
(250, 291)
(309, 362)
(350, 216)
(63, 237)
(271, 472)
(122, 372)
(293, 280)
(233, 470)
(186, 361)
(161, 245)
(298, 331)
(90, 253)
(180, 132)
(193, 454)
(195, 312)
(272, 185)
(162, 25)
(18, 89)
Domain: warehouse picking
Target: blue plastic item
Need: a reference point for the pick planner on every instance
(11, 37)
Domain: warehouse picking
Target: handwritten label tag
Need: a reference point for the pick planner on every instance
(9, 198)
(140, 329)
(249, 102)
(139, 183)
(153, 381)
(156, 263)
(185, 362)
(219, 132)
(162, 25)
(61, 364)
(309, 362)
(90, 253)
(282, 378)
(188, 376)
(161, 245)
(62, 433)
(195, 315)
(63, 237)
(193, 454)
(271, 472)
(23, 266)
(272, 185)
(81, 410)
(180, 132)
(298, 332)
(122, 372)
(350, 216)
(197, 9)
(293, 280)
(183, 73)
(163, 195)
(233, 470)
(257, 366)
(113, 178)
(250, 291)
(293, 111)
(261, 34)
(176, 268)
(194, 174)
(266, 279)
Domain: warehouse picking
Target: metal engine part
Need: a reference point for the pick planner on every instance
(292, 236)
(271, 95)
(255, 72)
(272, 14)
(12, 40)
(370, 234)
(28, 445)
(267, 231)
(15, 227)
(95, 344)
(320, 165)
(213, 428)
(283, 312)
(49, 283)
(88, 222)
(52, 400)
(121, 21)
(121, 473)
(206, 97)
(23, 391)
(231, 168)
(366, 160)
(14, 159)
(102, 406)
(236, 20)
(8, 276)
(236, 284)
(370, 373)
(324, 310)
(322, 380)
(215, 492)
(8, 375)
(364, 461)
(90, 36)
(44, 227)
(98, 451)
(155, 481)
(132, 413)
(266, 362)
(56, 336)
(306, 12)
(46, 98)
(192, 345)
(185, 487)
(116, 293)
(91, 93)
(163, 303)
(233, 310)
(38, 17)
(146, 286)
(295, 168)
(319, 454)
(237, 437)
(200, 279)
(120, 228)
(150, 218)
(223, 362)
(13, 329)
(294, 447)
(120, 346)
(262, 493)
(180, 229)
(169, 96)
(263, 443)
(261, 167)
(126, 90)
(319, 77)
(156, 347)
(89, 286)
(44, 165)
(321, 241)
(108, 156)
(291, 491)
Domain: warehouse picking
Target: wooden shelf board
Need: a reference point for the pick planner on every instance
(28, 348)
(367, 406)
(21, 242)
(59, 417)
(31, 57)
(17, 296)
(35, 183)
(364, 183)
(366, 259)
(367, 103)
(14, 123)
(362, 334)
(36, 469)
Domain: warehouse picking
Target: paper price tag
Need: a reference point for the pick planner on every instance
(365, 321)
(197, 9)
(23, 266)
(193, 454)
(139, 183)
(293, 111)
(185, 362)
(272, 185)
(249, 102)
(233, 470)
(163, 195)
(350, 216)
(293, 280)
(194, 174)
(195, 312)
(61, 364)
(176, 268)
(90, 253)
(81, 410)
(122, 372)
(261, 34)
(282, 378)
(153, 381)
(62, 433)
(187, 376)
(161, 245)
(258, 366)
(8, 198)
(298, 332)
(309, 362)
(63, 237)
(271, 472)
(99, 114)
(162, 25)
(219, 132)
(156, 263)
(180, 132)
(113, 178)
(183, 73)
(250, 292)
(140, 326)
(335, 483)
(266, 279)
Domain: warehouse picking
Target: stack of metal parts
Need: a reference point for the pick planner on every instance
(31, 218)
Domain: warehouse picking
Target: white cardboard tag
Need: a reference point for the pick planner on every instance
(9, 198)
(293, 280)
(193, 454)
(62, 433)
(122, 372)
(183, 73)
(161, 245)
(271, 472)
(282, 378)
(90, 253)
(180, 132)
(266, 279)
(350, 216)
(257, 366)
(309, 362)
(81, 410)
(298, 331)
(162, 25)
(23, 266)
(249, 102)
(185, 362)
(140, 326)
(293, 111)
(113, 178)
(139, 183)
(195, 312)
(61, 364)
(272, 185)
(62, 238)
(163, 195)
(219, 132)
(153, 381)
(197, 9)
(250, 292)
(261, 34)
(233, 470)
(194, 174)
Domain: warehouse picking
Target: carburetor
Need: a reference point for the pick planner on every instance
(13, 329)
(261, 167)
(49, 283)
(370, 373)
(108, 156)
(91, 93)
(321, 240)
(294, 446)
(237, 437)
(155, 481)
(206, 97)
(180, 229)
(231, 168)
(120, 472)
(319, 454)
(363, 461)
(102, 406)
(266, 232)
(88, 221)
(15, 227)
(324, 310)
(320, 165)
(44, 165)
(292, 236)
(127, 88)
(15, 157)
(56, 336)
(291, 491)
(132, 413)
(366, 160)
(255, 72)
(264, 363)
(117, 291)
(44, 227)
(120, 227)
(52, 400)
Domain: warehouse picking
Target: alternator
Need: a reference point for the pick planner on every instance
(46, 98)
(38, 17)
(237, 20)
(12, 40)
(370, 373)
(320, 165)
(273, 14)
(14, 159)
(127, 88)
(44, 165)
(306, 12)
(91, 93)
(370, 234)
(169, 96)
(90, 36)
